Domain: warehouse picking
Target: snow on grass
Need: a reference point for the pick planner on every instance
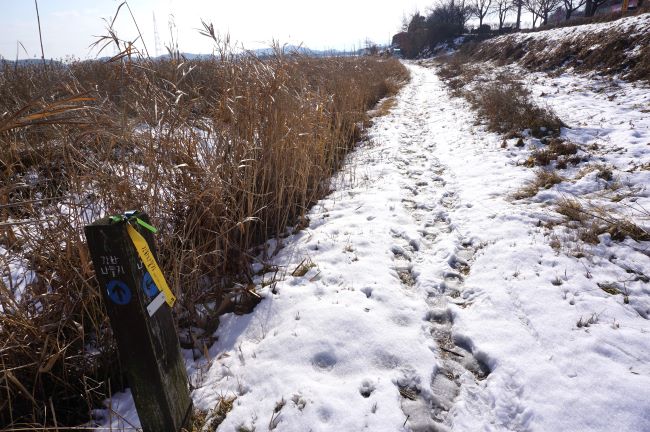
(633, 25)
(610, 48)
(423, 297)
(15, 276)
(577, 353)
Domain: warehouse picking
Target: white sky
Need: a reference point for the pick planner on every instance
(69, 26)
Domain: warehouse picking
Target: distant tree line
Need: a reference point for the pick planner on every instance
(448, 19)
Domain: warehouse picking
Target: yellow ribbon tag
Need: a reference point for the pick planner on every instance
(150, 263)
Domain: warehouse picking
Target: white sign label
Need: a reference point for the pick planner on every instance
(155, 304)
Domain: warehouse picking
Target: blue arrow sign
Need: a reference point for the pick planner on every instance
(149, 286)
(118, 292)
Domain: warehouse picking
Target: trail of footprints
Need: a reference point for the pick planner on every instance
(428, 197)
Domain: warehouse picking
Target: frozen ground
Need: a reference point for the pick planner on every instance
(422, 298)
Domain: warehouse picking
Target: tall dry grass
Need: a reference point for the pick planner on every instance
(222, 153)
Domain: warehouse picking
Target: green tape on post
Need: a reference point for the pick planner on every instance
(146, 225)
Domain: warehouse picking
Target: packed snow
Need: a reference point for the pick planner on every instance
(422, 297)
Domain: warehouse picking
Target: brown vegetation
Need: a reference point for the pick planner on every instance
(222, 153)
(544, 179)
(506, 105)
(504, 102)
(595, 220)
(553, 149)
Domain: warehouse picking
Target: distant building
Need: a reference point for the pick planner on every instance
(402, 42)
(615, 6)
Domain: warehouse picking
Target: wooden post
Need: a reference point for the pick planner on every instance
(142, 324)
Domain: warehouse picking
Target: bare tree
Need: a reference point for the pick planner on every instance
(405, 23)
(518, 4)
(480, 8)
(463, 12)
(570, 6)
(371, 48)
(502, 7)
(533, 7)
(541, 9)
(592, 6)
(450, 12)
(546, 7)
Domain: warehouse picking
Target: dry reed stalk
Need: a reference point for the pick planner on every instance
(223, 153)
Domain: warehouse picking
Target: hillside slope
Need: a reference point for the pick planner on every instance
(617, 47)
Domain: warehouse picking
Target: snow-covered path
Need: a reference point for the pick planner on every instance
(349, 344)
(421, 298)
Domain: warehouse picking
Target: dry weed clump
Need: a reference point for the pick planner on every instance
(544, 179)
(451, 66)
(222, 153)
(506, 105)
(553, 149)
(571, 208)
(594, 220)
(457, 72)
(503, 101)
(210, 420)
(603, 172)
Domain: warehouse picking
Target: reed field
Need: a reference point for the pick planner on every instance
(223, 153)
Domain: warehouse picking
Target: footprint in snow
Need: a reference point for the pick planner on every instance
(399, 253)
(406, 276)
(324, 361)
(366, 388)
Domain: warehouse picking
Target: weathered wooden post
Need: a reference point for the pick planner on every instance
(138, 305)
